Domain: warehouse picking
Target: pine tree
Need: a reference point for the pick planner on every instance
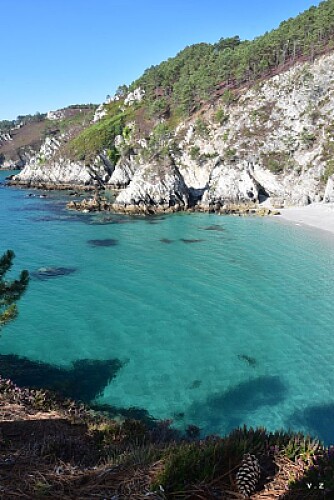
(10, 291)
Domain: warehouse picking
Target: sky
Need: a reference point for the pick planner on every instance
(62, 52)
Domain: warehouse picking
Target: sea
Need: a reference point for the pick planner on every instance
(199, 319)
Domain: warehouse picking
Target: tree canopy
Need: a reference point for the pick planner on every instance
(10, 291)
(204, 70)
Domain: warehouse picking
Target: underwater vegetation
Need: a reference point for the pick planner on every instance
(248, 359)
(108, 242)
(44, 273)
(166, 240)
(84, 380)
(195, 384)
(132, 413)
(214, 227)
(228, 409)
(190, 240)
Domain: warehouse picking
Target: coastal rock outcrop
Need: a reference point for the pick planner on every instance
(156, 185)
(271, 140)
(231, 184)
(61, 173)
(329, 191)
(123, 173)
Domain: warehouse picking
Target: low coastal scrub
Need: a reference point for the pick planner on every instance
(98, 137)
(62, 449)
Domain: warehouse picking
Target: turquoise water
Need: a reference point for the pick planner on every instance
(236, 328)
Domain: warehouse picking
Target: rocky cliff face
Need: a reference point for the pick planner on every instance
(155, 184)
(275, 139)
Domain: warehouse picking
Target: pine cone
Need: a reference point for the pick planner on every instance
(248, 475)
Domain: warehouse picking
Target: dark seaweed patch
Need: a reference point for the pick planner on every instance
(128, 413)
(179, 416)
(190, 241)
(45, 218)
(166, 240)
(248, 359)
(108, 242)
(214, 227)
(231, 408)
(84, 380)
(318, 419)
(195, 384)
(45, 273)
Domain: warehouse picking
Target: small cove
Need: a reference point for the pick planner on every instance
(213, 321)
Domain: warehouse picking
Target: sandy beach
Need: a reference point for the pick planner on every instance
(318, 215)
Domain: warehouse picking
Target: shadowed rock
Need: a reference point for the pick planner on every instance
(84, 380)
(108, 242)
(44, 273)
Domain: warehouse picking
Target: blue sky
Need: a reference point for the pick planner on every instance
(61, 52)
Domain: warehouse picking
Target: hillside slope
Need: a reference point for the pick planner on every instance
(237, 123)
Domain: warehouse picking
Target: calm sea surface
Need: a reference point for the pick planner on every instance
(214, 321)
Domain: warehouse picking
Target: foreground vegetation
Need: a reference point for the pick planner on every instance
(56, 448)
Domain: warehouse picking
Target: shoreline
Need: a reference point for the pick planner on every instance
(317, 215)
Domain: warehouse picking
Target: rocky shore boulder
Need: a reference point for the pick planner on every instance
(157, 185)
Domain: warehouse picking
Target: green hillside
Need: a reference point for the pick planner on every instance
(202, 71)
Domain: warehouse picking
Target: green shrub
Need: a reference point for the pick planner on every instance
(98, 137)
(194, 153)
(329, 170)
(230, 153)
(307, 137)
(228, 97)
(201, 128)
(113, 155)
(276, 161)
(221, 117)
